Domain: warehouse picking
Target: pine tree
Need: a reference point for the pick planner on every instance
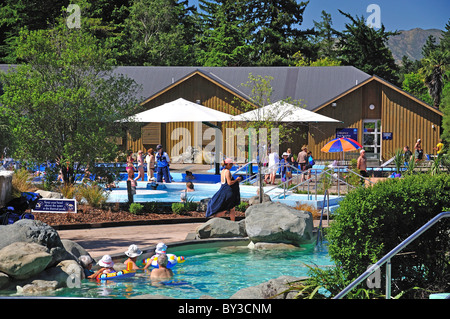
(276, 35)
(156, 32)
(224, 40)
(365, 48)
(324, 36)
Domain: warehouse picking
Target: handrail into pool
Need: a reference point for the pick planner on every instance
(242, 167)
(319, 228)
(387, 258)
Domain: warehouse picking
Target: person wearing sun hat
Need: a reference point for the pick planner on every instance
(228, 196)
(160, 249)
(133, 253)
(285, 169)
(106, 264)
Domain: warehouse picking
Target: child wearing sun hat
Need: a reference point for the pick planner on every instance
(161, 248)
(106, 265)
(133, 253)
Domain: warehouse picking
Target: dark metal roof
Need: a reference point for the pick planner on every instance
(313, 85)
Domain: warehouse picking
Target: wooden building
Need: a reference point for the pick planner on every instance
(379, 115)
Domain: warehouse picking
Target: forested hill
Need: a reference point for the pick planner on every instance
(410, 43)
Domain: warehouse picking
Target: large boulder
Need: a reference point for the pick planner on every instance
(34, 231)
(221, 228)
(274, 222)
(255, 199)
(74, 248)
(22, 260)
(47, 194)
(273, 289)
(37, 287)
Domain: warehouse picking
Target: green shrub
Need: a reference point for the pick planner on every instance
(178, 208)
(242, 207)
(95, 195)
(136, 208)
(21, 182)
(370, 222)
(151, 207)
(181, 208)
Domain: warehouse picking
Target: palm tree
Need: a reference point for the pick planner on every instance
(434, 67)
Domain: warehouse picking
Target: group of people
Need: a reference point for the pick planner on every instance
(361, 163)
(287, 164)
(418, 151)
(228, 196)
(106, 264)
(158, 162)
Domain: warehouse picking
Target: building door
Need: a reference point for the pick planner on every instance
(372, 138)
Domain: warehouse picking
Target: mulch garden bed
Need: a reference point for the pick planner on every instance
(90, 215)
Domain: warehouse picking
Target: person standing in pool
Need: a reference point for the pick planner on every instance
(228, 196)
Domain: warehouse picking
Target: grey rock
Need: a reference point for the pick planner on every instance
(75, 249)
(221, 228)
(22, 260)
(255, 199)
(275, 222)
(274, 288)
(272, 246)
(47, 194)
(37, 287)
(34, 231)
(203, 205)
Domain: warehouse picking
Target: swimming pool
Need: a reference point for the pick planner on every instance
(170, 193)
(215, 271)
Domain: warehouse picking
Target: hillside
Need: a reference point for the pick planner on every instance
(410, 43)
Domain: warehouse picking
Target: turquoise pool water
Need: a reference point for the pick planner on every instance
(217, 272)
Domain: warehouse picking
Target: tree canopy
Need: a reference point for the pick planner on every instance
(62, 104)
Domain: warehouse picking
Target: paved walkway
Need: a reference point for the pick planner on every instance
(115, 240)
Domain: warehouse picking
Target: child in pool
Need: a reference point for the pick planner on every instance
(133, 253)
(107, 266)
(161, 248)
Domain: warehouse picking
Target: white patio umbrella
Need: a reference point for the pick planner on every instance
(283, 112)
(180, 110)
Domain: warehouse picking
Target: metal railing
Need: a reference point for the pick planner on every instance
(287, 186)
(326, 196)
(243, 167)
(387, 258)
(316, 177)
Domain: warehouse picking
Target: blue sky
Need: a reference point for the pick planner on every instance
(395, 14)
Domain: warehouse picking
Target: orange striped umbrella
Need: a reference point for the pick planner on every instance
(342, 144)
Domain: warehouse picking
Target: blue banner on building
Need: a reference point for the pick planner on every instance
(347, 133)
(47, 205)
